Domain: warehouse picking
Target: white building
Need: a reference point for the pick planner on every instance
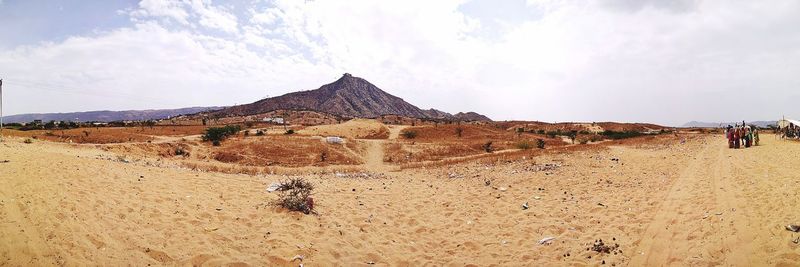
(276, 120)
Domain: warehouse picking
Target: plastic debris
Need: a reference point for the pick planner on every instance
(273, 187)
(546, 240)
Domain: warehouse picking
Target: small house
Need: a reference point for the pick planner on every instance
(334, 140)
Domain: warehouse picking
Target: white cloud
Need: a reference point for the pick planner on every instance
(187, 11)
(162, 8)
(214, 17)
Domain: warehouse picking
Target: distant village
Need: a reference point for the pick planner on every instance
(53, 124)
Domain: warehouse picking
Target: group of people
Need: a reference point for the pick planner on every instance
(791, 131)
(741, 135)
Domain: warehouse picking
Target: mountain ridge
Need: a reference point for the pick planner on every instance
(106, 115)
(348, 96)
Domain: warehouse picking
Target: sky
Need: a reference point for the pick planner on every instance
(666, 62)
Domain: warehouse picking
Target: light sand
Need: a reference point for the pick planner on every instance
(76, 205)
(355, 128)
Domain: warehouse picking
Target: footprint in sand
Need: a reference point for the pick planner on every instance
(159, 256)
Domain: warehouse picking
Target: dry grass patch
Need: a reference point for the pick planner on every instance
(288, 151)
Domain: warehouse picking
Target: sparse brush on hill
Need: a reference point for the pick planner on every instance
(217, 134)
(525, 144)
(28, 141)
(488, 147)
(295, 195)
(540, 143)
(621, 135)
(288, 132)
(259, 133)
(409, 134)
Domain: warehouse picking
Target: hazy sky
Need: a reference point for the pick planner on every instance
(666, 62)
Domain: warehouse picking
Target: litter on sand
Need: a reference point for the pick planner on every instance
(546, 240)
(273, 187)
(525, 206)
(793, 228)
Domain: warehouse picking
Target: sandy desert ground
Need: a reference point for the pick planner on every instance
(658, 203)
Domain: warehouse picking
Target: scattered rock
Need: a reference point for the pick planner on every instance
(793, 228)
(525, 206)
(601, 247)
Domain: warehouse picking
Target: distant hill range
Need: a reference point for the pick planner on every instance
(106, 116)
(349, 97)
(700, 124)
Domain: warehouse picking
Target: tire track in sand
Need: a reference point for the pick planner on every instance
(700, 221)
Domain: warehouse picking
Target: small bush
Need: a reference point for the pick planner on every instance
(459, 131)
(259, 133)
(288, 132)
(540, 131)
(28, 141)
(540, 143)
(525, 145)
(488, 147)
(217, 134)
(295, 195)
(408, 134)
(179, 151)
(621, 135)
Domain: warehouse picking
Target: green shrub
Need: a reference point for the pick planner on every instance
(488, 147)
(540, 131)
(540, 143)
(217, 134)
(409, 134)
(621, 135)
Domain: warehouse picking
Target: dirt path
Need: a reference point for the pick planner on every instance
(373, 158)
(394, 130)
(728, 207)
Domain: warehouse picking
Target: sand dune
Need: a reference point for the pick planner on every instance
(697, 203)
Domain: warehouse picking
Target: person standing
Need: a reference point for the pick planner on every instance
(755, 136)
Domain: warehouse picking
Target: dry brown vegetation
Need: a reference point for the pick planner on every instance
(439, 142)
(289, 151)
(108, 135)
